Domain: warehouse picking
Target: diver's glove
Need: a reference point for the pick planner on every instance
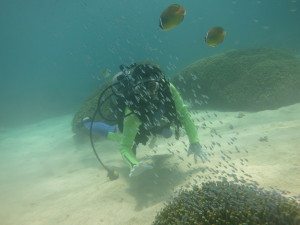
(139, 168)
(196, 149)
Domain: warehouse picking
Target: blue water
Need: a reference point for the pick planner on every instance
(50, 50)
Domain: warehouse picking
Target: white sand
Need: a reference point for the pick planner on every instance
(48, 178)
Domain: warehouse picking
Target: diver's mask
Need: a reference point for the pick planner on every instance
(146, 89)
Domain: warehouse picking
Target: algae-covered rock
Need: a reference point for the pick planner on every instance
(248, 79)
(225, 203)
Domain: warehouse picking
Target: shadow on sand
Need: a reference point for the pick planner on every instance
(157, 184)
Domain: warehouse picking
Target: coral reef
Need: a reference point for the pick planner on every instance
(225, 203)
(247, 79)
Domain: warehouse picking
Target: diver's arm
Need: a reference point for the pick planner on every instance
(130, 129)
(184, 116)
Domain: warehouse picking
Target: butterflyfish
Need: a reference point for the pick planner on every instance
(215, 36)
(105, 73)
(171, 17)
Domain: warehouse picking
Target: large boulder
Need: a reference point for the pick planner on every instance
(248, 79)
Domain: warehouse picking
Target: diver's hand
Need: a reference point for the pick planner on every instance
(196, 149)
(139, 168)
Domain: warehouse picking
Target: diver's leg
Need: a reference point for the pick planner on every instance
(134, 148)
(98, 127)
(152, 142)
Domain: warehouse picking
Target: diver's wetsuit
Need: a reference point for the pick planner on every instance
(131, 125)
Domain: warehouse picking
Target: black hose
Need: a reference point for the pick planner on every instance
(111, 173)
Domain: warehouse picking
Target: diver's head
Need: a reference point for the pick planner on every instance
(146, 80)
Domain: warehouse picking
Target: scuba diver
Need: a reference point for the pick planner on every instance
(144, 104)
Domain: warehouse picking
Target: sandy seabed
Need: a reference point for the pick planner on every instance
(49, 177)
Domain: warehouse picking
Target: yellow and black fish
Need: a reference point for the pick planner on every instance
(171, 17)
(105, 73)
(215, 36)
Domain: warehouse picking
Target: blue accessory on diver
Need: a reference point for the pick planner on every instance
(166, 132)
(100, 128)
